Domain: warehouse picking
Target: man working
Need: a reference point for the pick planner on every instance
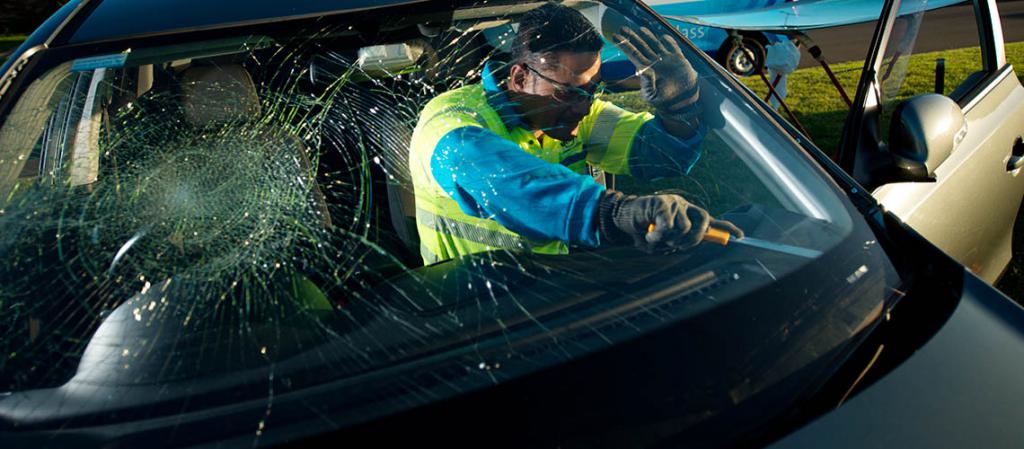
(502, 164)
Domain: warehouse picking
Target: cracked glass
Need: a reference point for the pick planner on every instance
(231, 222)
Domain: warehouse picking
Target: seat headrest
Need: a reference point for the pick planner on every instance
(217, 95)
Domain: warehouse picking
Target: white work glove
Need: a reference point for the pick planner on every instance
(782, 57)
(781, 60)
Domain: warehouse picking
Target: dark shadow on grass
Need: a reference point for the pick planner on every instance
(825, 128)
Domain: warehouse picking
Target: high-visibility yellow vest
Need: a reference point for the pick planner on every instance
(445, 231)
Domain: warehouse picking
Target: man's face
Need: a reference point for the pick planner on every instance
(556, 94)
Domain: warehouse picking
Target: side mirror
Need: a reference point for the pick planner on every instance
(924, 131)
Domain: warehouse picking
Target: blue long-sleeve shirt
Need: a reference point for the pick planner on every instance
(538, 188)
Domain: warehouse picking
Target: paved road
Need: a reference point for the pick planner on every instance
(942, 29)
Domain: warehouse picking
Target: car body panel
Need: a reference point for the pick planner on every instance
(164, 419)
(974, 323)
(802, 15)
(961, 389)
(970, 210)
(107, 21)
(969, 216)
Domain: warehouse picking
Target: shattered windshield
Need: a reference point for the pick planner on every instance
(234, 219)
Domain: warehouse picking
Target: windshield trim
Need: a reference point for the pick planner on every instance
(239, 24)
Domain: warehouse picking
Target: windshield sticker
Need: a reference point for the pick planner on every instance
(100, 62)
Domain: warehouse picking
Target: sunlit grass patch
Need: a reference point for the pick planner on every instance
(818, 105)
(15, 38)
(9, 43)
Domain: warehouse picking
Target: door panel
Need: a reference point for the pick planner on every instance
(970, 210)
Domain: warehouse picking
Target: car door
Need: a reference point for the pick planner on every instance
(969, 206)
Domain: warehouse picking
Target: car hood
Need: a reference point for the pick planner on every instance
(961, 389)
(108, 20)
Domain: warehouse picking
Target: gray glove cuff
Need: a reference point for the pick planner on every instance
(607, 214)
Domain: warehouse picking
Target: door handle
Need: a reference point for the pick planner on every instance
(1016, 155)
(1015, 163)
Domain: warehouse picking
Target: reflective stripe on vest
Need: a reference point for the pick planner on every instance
(604, 126)
(466, 231)
(428, 255)
(445, 230)
(608, 135)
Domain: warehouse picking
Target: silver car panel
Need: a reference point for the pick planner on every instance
(969, 212)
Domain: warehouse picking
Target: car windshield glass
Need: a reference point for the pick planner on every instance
(393, 206)
(900, 47)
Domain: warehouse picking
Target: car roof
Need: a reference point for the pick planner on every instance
(113, 19)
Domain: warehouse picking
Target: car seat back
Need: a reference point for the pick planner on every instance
(380, 114)
(213, 95)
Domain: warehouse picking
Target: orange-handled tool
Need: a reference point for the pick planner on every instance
(712, 235)
(724, 238)
(717, 235)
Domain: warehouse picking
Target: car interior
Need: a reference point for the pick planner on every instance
(343, 107)
(295, 149)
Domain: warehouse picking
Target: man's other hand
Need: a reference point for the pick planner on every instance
(668, 81)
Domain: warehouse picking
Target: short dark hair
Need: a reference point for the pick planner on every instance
(552, 28)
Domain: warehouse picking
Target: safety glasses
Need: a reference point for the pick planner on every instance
(566, 93)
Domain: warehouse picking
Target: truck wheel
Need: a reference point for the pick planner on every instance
(745, 58)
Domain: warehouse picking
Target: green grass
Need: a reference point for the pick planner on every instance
(818, 106)
(11, 40)
(9, 43)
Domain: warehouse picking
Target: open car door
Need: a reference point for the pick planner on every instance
(944, 153)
